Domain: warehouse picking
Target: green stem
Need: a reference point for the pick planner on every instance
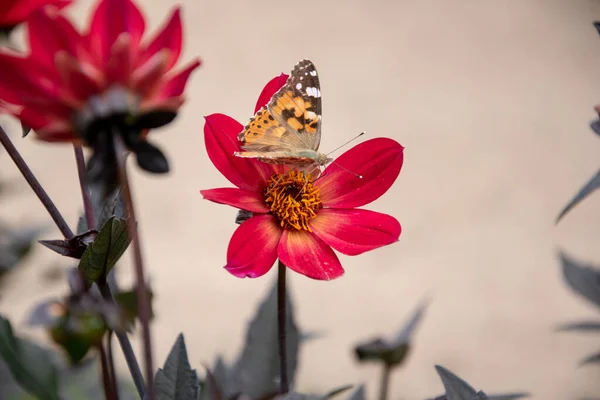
(281, 327)
(141, 287)
(385, 382)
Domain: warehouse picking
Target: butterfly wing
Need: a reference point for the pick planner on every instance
(291, 122)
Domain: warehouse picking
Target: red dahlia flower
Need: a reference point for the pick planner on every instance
(87, 87)
(14, 12)
(295, 218)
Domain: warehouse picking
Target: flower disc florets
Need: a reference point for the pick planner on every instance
(293, 199)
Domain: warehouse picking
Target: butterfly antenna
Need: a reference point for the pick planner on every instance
(354, 138)
(347, 170)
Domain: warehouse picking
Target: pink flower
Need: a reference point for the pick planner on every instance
(295, 219)
(14, 12)
(87, 86)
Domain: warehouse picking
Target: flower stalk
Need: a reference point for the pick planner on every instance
(281, 327)
(141, 287)
(107, 380)
(385, 381)
(128, 353)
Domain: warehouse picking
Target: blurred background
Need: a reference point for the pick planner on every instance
(492, 101)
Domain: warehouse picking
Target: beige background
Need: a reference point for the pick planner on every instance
(491, 99)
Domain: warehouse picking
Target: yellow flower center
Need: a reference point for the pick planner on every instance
(293, 199)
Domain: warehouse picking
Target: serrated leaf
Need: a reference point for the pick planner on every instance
(104, 252)
(585, 191)
(584, 279)
(177, 380)
(29, 364)
(256, 372)
(456, 388)
(358, 394)
(585, 326)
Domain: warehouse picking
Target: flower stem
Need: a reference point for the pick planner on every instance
(385, 381)
(281, 325)
(109, 393)
(35, 185)
(141, 289)
(111, 364)
(85, 191)
(128, 353)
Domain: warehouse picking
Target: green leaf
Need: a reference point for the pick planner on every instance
(256, 372)
(591, 186)
(456, 388)
(584, 279)
(104, 252)
(30, 365)
(177, 380)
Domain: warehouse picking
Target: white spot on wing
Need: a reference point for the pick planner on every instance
(313, 92)
(299, 86)
(313, 73)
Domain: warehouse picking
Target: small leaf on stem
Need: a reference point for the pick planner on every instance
(101, 255)
(176, 380)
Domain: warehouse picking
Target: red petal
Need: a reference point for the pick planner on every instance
(252, 250)
(80, 85)
(355, 231)
(169, 37)
(308, 255)
(238, 198)
(220, 139)
(175, 85)
(119, 63)
(148, 78)
(378, 161)
(13, 12)
(48, 34)
(22, 79)
(270, 89)
(111, 18)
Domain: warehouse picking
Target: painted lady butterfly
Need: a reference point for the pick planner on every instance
(288, 129)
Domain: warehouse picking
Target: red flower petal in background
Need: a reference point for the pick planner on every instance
(14, 12)
(82, 87)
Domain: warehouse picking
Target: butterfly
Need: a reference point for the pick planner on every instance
(288, 129)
